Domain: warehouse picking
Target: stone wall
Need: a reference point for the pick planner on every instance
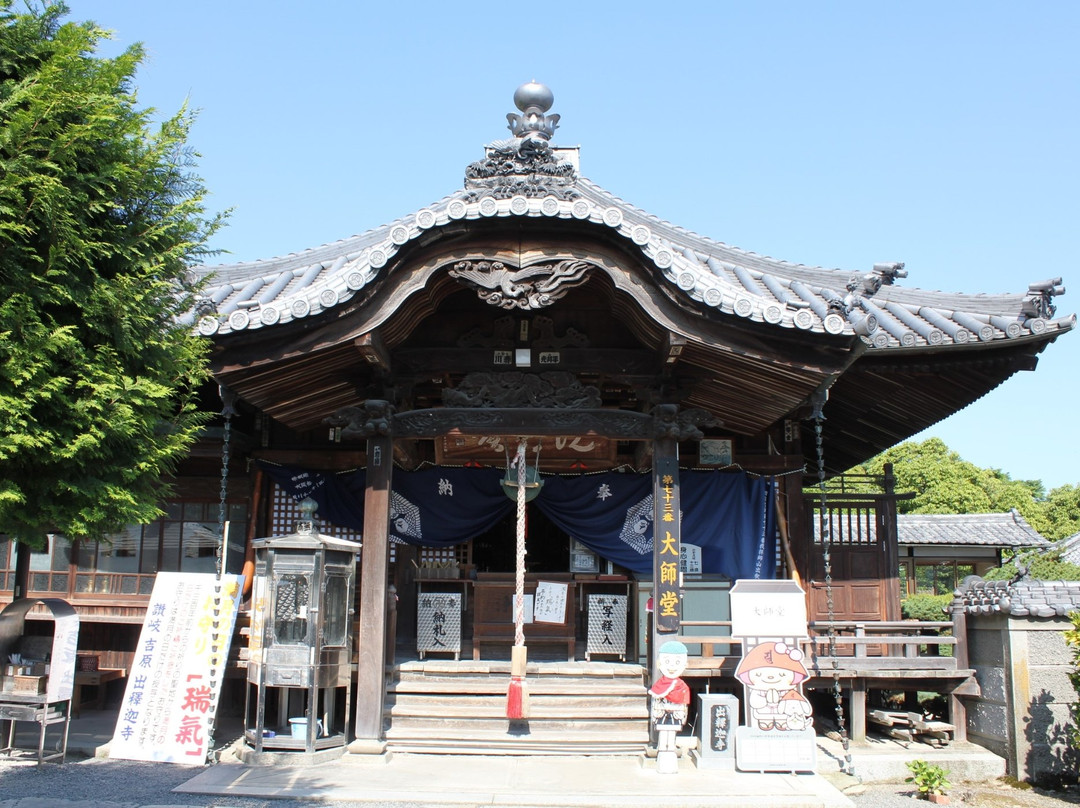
(1016, 645)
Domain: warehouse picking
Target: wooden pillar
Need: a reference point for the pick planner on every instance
(667, 597)
(858, 709)
(890, 546)
(374, 563)
(957, 706)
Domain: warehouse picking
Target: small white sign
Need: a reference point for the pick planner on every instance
(689, 558)
(550, 602)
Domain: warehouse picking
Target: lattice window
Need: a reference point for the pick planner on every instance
(285, 512)
(853, 525)
(459, 553)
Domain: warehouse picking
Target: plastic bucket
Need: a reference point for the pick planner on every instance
(298, 728)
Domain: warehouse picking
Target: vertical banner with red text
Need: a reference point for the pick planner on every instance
(175, 678)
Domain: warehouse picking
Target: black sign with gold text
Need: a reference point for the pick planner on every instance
(667, 605)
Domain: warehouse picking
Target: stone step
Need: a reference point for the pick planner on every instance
(468, 727)
(464, 708)
(525, 738)
(494, 685)
(459, 707)
(451, 668)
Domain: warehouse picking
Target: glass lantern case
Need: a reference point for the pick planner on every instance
(300, 647)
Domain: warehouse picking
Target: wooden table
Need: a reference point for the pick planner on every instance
(98, 679)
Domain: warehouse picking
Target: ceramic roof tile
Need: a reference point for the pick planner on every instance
(1070, 548)
(980, 529)
(713, 274)
(1019, 598)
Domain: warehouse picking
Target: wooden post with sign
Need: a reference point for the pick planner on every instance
(374, 560)
(667, 600)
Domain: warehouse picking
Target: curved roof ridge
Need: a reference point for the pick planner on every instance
(709, 273)
(311, 255)
(753, 257)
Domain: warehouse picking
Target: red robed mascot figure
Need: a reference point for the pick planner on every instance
(670, 699)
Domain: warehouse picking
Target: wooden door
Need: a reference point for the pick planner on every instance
(864, 575)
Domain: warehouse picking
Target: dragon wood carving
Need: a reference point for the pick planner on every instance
(530, 288)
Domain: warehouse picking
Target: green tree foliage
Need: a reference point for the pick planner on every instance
(943, 482)
(100, 216)
(925, 607)
(1059, 514)
(1041, 566)
(1072, 638)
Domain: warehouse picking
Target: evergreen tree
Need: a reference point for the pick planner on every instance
(100, 216)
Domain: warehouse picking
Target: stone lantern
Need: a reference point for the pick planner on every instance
(300, 648)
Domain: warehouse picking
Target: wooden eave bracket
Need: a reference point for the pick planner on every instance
(370, 346)
(671, 348)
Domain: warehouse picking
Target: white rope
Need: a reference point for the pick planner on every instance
(519, 569)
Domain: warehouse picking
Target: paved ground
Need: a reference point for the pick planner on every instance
(412, 781)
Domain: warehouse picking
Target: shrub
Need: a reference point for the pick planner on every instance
(928, 778)
(925, 607)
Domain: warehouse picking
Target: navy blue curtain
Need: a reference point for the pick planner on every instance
(731, 516)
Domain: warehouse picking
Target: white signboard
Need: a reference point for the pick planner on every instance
(175, 681)
(768, 609)
(61, 681)
(549, 604)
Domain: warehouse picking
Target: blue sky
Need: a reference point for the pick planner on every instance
(837, 134)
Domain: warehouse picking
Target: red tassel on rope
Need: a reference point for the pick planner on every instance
(515, 699)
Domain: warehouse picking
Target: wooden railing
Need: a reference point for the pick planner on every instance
(897, 648)
(901, 648)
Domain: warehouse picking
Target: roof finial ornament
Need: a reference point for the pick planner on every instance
(534, 127)
(527, 164)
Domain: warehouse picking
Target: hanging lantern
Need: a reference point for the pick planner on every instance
(533, 483)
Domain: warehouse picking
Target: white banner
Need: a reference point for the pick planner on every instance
(176, 673)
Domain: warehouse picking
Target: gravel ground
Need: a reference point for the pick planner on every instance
(993, 794)
(101, 783)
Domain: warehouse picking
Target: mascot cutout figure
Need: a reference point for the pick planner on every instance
(670, 698)
(773, 673)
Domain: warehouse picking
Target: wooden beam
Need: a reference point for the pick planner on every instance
(431, 423)
(370, 346)
(609, 362)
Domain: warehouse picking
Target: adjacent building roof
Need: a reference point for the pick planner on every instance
(973, 530)
(1021, 598)
(1070, 548)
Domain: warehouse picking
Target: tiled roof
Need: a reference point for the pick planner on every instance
(1023, 598)
(976, 529)
(713, 275)
(1070, 548)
